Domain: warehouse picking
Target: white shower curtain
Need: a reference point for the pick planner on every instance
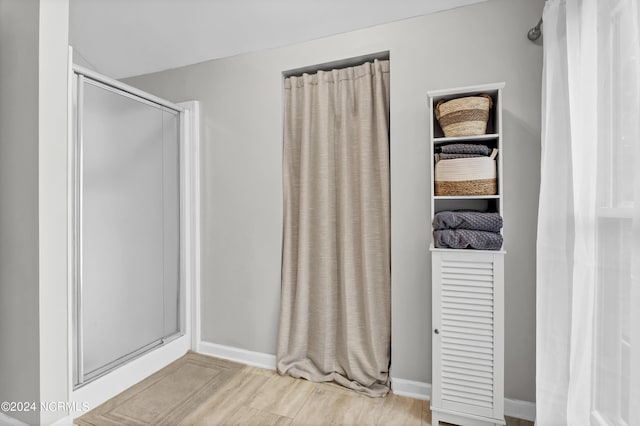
(588, 254)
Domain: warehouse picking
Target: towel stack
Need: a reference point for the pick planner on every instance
(461, 229)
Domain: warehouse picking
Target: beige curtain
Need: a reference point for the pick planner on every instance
(335, 318)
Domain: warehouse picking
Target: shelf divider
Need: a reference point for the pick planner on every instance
(485, 137)
(466, 197)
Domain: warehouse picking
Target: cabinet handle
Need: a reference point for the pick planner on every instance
(436, 331)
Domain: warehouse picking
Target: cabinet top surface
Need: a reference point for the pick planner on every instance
(465, 251)
(466, 197)
(484, 137)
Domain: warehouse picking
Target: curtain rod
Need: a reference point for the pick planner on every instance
(342, 63)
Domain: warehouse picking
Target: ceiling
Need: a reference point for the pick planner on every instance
(123, 38)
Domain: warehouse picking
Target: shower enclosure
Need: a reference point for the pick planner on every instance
(126, 224)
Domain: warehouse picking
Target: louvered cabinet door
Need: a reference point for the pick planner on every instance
(468, 333)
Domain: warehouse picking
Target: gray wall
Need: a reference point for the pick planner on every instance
(33, 204)
(242, 182)
(19, 345)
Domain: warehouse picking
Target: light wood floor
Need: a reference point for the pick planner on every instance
(201, 390)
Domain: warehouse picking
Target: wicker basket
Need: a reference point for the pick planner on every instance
(464, 116)
(466, 176)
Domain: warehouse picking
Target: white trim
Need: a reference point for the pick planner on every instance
(70, 220)
(480, 88)
(243, 356)
(10, 421)
(419, 390)
(411, 388)
(106, 387)
(459, 418)
(191, 167)
(65, 421)
(616, 212)
(521, 409)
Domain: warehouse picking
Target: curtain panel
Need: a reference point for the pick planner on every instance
(588, 247)
(335, 318)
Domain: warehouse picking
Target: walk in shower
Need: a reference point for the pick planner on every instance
(126, 224)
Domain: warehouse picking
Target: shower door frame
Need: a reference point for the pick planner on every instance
(145, 361)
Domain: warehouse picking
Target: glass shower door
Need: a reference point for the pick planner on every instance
(128, 227)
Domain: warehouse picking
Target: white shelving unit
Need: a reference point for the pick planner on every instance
(468, 294)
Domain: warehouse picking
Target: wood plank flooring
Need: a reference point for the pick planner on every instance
(201, 390)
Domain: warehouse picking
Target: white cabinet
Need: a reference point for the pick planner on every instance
(468, 342)
(468, 293)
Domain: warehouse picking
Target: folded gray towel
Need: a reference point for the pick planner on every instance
(445, 156)
(465, 148)
(479, 221)
(466, 238)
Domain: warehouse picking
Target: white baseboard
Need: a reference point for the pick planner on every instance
(243, 356)
(65, 421)
(512, 407)
(411, 388)
(521, 409)
(10, 421)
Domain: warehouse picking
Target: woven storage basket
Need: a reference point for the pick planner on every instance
(464, 116)
(466, 176)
